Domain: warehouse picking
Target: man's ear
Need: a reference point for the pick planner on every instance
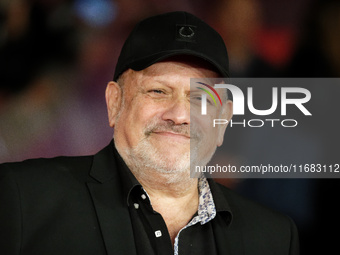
(113, 95)
(227, 113)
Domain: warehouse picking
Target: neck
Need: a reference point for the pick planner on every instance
(175, 185)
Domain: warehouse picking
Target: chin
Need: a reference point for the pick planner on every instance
(164, 158)
(172, 161)
(172, 151)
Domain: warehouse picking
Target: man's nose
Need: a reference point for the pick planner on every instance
(178, 112)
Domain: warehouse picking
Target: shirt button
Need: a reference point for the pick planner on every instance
(136, 205)
(158, 233)
(143, 196)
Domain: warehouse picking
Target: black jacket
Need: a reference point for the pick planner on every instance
(75, 205)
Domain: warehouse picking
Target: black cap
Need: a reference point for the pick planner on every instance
(170, 34)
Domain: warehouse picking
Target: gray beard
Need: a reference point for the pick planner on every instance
(146, 161)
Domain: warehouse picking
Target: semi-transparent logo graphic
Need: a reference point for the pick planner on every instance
(241, 101)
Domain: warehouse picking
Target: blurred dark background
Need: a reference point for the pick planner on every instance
(56, 57)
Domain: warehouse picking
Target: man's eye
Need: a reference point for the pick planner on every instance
(157, 91)
(199, 99)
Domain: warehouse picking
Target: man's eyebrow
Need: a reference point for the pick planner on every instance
(153, 80)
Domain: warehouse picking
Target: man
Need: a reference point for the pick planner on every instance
(136, 196)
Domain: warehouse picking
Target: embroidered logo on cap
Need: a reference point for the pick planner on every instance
(185, 33)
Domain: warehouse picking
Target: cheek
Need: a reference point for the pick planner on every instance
(146, 111)
(204, 125)
(137, 115)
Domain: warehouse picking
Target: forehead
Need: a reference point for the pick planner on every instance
(172, 70)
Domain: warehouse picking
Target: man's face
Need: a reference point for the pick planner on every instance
(151, 117)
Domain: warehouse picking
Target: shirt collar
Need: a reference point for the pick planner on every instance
(220, 199)
(211, 200)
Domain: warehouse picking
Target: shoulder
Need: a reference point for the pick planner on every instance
(45, 185)
(247, 207)
(261, 227)
(47, 169)
(38, 163)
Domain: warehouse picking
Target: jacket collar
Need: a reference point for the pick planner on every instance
(104, 164)
(111, 209)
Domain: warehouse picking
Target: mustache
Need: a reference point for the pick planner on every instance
(168, 126)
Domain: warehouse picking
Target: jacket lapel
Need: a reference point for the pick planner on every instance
(229, 240)
(110, 205)
(227, 228)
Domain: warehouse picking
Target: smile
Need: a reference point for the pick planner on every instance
(172, 135)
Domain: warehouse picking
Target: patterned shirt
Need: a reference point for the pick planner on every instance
(206, 209)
